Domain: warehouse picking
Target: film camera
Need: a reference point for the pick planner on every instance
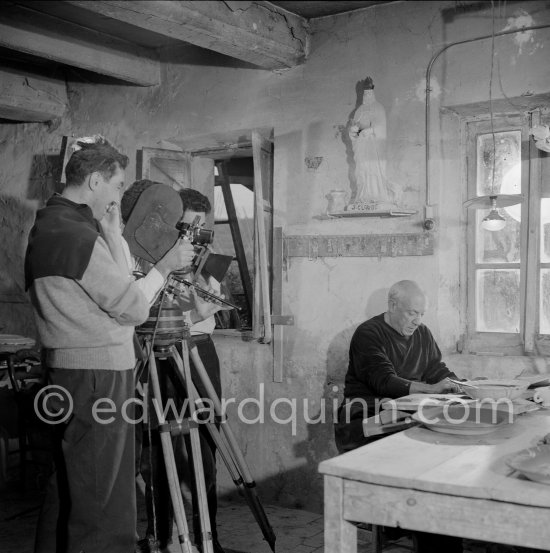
(197, 235)
(216, 265)
(155, 224)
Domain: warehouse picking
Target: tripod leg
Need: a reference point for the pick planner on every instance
(171, 471)
(203, 375)
(206, 531)
(231, 450)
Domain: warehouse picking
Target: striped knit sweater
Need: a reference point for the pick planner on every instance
(84, 305)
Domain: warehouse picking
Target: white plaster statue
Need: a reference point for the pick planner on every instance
(368, 138)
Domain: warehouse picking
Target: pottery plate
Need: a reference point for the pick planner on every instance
(462, 419)
(533, 463)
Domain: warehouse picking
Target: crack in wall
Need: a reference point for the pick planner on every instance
(280, 15)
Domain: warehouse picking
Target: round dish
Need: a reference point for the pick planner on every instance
(533, 463)
(462, 419)
(495, 389)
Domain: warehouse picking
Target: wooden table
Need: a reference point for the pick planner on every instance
(440, 483)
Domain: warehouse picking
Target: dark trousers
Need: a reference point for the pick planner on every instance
(160, 516)
(348, 431)
(90, 500)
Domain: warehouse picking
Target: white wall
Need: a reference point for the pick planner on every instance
(308, 106)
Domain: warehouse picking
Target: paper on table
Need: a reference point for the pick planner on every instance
(413, 401)
(387, 422)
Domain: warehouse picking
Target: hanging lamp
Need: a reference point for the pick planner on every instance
(493, 221)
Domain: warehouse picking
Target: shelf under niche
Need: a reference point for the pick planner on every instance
(398, 212)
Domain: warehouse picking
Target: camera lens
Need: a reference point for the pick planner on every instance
(203, 236)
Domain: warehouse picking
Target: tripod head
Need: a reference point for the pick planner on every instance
(165, 323)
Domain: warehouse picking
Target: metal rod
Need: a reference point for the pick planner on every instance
(428, 89)
(206, 293)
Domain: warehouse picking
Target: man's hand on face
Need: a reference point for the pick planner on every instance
(111, 220)
(179, 257)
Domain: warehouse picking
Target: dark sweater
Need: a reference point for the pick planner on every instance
(383, 363)
(61, 241)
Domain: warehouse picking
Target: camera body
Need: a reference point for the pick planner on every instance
(197, 235)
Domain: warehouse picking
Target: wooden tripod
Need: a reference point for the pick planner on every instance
(221, 434)
(186, 426)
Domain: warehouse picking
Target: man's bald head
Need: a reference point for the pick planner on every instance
(404, 289)
(406, 306)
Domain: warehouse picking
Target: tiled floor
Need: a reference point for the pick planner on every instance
(296, 531)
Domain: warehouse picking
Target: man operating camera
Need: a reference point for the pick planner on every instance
(200, 316)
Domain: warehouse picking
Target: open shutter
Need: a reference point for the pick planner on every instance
(202, 179)
(262, 153)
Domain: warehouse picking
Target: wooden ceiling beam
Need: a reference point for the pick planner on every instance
(255, 32)
(48, 37)
(31, 98)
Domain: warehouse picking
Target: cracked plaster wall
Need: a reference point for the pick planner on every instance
(308, 106)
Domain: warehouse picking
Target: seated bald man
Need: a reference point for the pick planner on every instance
(390, 356)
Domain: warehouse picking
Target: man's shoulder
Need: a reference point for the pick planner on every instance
(424, 330)
(373, 325)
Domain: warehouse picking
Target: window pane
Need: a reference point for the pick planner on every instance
(497, 297)
(499, 246)
(544, 322)
(545, 230)
(501, 151)
(243, 199)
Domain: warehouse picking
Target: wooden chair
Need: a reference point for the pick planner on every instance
(25, 375)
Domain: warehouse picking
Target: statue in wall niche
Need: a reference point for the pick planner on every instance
(367, 132)
(364, 136)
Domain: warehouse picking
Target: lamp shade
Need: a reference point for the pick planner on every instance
(494, 221)
(500, 200)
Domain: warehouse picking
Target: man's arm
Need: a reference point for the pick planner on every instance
(436, 375)
(179, 256)
(375, 368)
(195, 307)
(110, 224)
(113, 292)
(442, 387)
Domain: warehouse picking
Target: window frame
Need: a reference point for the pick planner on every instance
(223, 180)
(216, 148)
(528, 339)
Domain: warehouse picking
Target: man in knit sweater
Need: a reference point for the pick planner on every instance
(390, 356)
(86, 305)
(393, 355)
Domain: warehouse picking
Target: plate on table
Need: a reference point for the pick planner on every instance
(466, 419)
(413, 402)
(536, 380)
(533, 463)
(495, 389)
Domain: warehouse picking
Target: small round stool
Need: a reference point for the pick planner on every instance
(10, 344)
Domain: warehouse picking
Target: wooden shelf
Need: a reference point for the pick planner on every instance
(359, 245)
